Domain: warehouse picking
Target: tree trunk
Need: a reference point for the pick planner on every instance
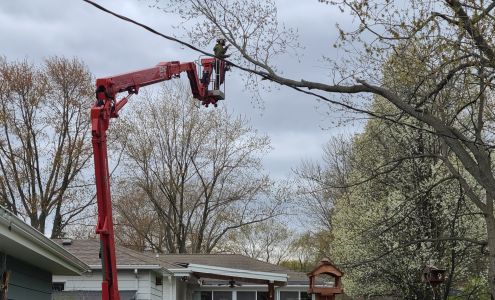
(490, 229)
(33, 217)
(57, 224)
(181, 241)
(42, 222)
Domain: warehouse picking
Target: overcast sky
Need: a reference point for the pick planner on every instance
(297, 124)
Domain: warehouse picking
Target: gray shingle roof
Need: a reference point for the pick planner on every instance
(88, 250)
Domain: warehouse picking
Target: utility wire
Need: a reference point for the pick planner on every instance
(264, 75)
(268, 76)
(170, 38)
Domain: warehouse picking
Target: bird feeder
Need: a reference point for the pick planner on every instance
(433, 275)
(325, 290)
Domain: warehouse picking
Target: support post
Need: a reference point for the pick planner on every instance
(271, 291)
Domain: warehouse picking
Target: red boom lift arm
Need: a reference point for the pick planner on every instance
(107, 107)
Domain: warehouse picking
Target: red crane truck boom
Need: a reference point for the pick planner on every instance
(107, 107)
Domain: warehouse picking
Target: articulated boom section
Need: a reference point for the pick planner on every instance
(107, 107)
(133, 81)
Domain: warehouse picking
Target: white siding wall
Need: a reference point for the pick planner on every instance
(144, 283)
(168, 287)
(156, 290)
(92, 281)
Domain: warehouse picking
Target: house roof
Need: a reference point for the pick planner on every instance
(88, 251)
(233, 261)
(19, 240)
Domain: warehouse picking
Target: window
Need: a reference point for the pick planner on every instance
(222, 295)
(284, 295)
(159, 280)
(58, 286)
(262, 296)
(305, 296)
(242, 295)
(205, 295)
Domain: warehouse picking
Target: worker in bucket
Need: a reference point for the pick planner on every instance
(220, 51)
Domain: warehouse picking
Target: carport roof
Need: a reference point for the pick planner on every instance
(204, 271)
(233, 262)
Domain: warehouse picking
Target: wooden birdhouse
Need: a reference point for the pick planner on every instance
(325, 281)
(433, 275)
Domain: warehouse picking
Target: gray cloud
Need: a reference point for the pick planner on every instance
(38, 29)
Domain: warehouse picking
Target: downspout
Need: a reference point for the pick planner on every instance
(136, 274)
(173, 290)
(172, 287)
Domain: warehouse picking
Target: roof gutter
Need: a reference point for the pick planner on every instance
(131, 267)
(138, 267)
(17, 226)
(238, 273)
